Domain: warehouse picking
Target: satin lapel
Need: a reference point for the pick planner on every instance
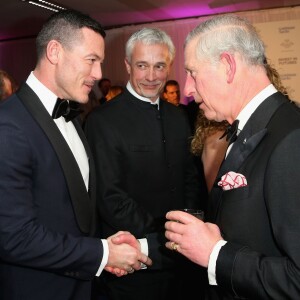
(76, 186)
(249, 138)
(241, 150)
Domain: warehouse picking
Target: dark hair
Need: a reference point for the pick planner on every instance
(103, 80)
(170, 82)
(64, 27)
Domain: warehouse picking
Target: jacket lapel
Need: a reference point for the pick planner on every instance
(79, 196)
(248, 139)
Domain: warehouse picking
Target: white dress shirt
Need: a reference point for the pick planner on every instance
(243, 117)
(72, 138)
(135, 94)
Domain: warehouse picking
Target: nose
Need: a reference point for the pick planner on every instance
(189, 87)
(97, 71)
(151, 74)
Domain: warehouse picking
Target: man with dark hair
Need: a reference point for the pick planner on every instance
(171, 92)
(47, 219)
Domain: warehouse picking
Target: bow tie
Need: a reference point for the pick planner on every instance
(231, 132)
(68, 109)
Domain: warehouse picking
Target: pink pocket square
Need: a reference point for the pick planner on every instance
(232, 180)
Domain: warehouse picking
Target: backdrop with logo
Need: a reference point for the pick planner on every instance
(283, 50)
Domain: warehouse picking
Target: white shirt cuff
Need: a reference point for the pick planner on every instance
(211, 270)
(144, 250)
(104, 257)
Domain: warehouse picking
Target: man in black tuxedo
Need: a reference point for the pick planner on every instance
(144, 167)
(47, 218)
(250, 243)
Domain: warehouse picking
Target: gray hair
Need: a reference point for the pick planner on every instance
(150, 36)
(228, 33)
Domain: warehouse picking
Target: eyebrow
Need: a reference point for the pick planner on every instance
(145, 62)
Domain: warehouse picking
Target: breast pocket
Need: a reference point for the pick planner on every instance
(235, 195)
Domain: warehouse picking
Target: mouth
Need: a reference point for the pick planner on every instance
(150, 87)
(89, 85)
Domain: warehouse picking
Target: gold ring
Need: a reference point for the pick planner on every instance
(174, 246)
(130, 271)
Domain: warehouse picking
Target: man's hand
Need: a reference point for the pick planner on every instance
(191, 237)
(127, 238)
(124, 254)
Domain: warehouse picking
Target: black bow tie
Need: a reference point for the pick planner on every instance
(68, 109)
(231, 132)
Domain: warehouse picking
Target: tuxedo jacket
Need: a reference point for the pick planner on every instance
(260, 221)
(46, 214)
(143, 166)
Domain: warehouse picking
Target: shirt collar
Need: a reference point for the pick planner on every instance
(47, 97)
(134, 93)
(249, 109)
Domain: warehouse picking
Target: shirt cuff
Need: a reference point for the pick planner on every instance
(104, 257)
(144, 250)
(211, 270)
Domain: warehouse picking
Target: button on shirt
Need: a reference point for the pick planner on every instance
(243, 117)
(72, 138)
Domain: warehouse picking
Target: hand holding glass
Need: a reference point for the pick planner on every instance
(198, 213)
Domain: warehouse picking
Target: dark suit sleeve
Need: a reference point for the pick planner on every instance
(250, 274)
(24, 241)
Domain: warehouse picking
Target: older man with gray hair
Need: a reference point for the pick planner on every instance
(250, 241)
(144, 167)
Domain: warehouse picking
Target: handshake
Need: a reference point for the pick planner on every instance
(125, 254)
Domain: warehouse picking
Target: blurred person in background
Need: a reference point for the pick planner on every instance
(171, 92)
(104, 84)
(114, 91)
(7, 85)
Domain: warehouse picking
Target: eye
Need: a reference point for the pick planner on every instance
(191, 74)
(142, 66)
(91, 60)
(161, 67)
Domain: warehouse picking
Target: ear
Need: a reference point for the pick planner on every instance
(53, 51)
(127, 64)
(230, 65)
